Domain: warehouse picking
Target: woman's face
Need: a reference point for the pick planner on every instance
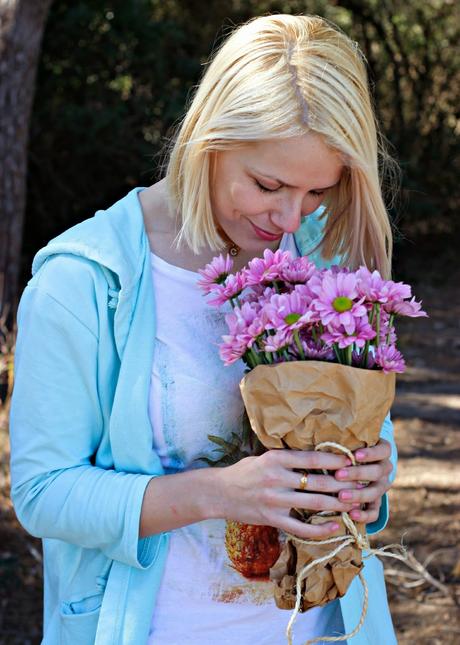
(261, 190)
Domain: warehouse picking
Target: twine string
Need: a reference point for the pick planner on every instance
(353, 537)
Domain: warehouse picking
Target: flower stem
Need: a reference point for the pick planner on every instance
(247, 358)
(255, 357)
(337, 353)
(363, 361)
(390, 325)
(348, 354)
(377, 323)
(299, 344)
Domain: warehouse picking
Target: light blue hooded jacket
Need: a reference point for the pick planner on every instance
(81, 439)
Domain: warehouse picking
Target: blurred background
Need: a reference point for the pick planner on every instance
(89, 94)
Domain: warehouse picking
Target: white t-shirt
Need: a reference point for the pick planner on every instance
(205, 596)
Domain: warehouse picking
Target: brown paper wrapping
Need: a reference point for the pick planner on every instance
(300, 405)
(326, 581)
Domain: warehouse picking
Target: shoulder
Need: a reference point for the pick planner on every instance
(72, 284)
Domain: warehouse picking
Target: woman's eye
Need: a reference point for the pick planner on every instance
(264, 189)
(317, 193)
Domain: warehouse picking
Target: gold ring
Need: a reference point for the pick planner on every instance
(303, 481)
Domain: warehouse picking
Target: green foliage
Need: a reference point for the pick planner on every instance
(237, 447)
(115, 77)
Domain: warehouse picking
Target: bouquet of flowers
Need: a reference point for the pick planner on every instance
(321, 357)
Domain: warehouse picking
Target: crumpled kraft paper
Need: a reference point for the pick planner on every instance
(299, 405)
(305, 403)
(324, 582)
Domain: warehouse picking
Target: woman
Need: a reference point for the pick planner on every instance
(118, 382)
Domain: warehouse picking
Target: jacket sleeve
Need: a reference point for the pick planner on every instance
(382, 520)
(56, 426)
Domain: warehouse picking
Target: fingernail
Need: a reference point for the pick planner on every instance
(356, 505)
(360, 454)
(359, 485)
(346, 494)
(335, 527)
(355, 515)
(343, 474)
(349, 462)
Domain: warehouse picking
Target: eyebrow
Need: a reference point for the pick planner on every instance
(283, 183)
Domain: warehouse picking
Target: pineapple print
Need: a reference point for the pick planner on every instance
(251, 549)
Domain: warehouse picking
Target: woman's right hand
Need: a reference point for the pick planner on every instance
(262, 490)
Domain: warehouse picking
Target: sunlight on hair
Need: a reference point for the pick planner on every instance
(277, 77)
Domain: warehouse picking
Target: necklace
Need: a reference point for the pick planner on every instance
(232, 248)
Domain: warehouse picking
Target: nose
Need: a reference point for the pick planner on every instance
(287, 217)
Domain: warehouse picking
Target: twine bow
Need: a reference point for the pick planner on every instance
(353, 537)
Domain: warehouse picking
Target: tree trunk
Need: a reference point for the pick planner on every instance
(21, 28)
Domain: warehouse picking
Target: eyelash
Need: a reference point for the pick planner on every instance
(264, 189)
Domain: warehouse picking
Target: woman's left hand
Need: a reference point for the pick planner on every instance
(373, 466)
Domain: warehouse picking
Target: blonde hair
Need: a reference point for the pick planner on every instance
(282, 76)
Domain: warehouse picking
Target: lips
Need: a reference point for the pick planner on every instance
(265, 235)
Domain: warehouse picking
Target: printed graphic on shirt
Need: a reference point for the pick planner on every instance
(193, 396)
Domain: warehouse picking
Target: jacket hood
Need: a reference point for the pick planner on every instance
(107, 238)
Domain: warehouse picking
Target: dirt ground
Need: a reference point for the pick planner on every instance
(424, 502)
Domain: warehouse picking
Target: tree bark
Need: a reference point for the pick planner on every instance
(22, 24)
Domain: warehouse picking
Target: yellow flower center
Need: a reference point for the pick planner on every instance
(290, 319)
(342, 303)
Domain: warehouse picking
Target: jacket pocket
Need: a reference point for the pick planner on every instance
(79, 618)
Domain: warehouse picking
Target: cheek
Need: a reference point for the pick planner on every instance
(246, 199)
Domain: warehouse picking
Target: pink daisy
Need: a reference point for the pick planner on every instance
(372, 286)
(232, 349)
(279, 341)
(408, 308)
(339, 334)
(389, 359)
(215, 273)
(299, 271)
(337, 300)
(314, 352)
(268, 268)
(246, 323)
(230, 289)
(288, 311)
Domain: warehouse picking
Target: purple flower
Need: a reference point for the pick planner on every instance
(215, 273)
(337, 300)
(279, 341)
(340, 335)
(232, 349)
(267, 269)
(398, 291)
(372, 286)
(389, 359)
(230, 289)
(245, 323)
(356, 360)
(298, 271)
(312, 351)
(288, 311)
(408, 308)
